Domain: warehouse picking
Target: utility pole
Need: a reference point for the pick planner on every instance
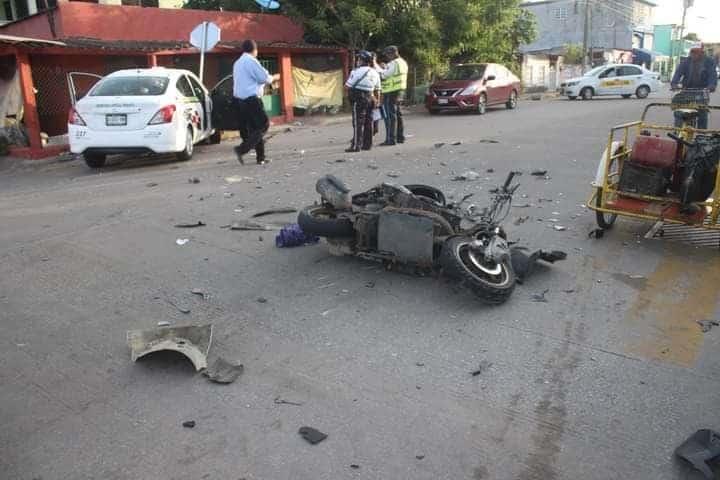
(586, 36)
(681, 42)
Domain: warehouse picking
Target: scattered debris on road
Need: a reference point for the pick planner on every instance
(538, 173)
(355, 466)
(419, 364)
(249, 225)
(163, 323)
(312, 435)
(559, 228)
(419, 457)
(522, 205)
(223, 371)
(281, 401)
(293, 236)
(262, 300)
(190, 225)
(439, 145)
(455, 144)
(180, 308)
(197, 291)
(182, 241)
(193, 180)
(237, 179)
(393, 175)
(151, 184)
(487, 140)
(707, 325)
(372, 167)
(700, 448)
(275, 211)
(468, 176)
(189, 424)
(524, 263)
(540, 297)
(193, 341)
(597, 233)
(370, 284)
(228, 194)
(490, 170)
(521, 220)
(484, 365)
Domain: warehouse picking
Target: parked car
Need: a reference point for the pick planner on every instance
(615, 79)
(473, 87)
(148, 110)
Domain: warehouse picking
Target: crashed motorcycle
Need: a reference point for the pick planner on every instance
(414, 225)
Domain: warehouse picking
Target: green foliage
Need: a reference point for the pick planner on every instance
(573, 54)
(430, 33)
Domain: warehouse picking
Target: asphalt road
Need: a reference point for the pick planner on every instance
(601, 382)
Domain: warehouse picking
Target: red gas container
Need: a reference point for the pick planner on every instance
(654, 152)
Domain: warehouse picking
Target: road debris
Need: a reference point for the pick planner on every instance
(484, 365)
(222, 371)
(522, 205)
(559, 228)
(354, 466)
(490, 170)
(182, 241)
(455, 144)
(521, 220)
(250, 225)
(197, 291)
(373, 167)
(293, 236)
(699, 449)
(393, 175)
(540, 297)
(275, 211)
(469, 176)
(419, 457)
(193, 341)
(193, 180)
(707, 325)
(538, 173)
(312, 435)
(524, 263)
(487, 140)
(228, 194)
(370, 284)
(190, 225)
(597, 233)
(280, 401)
(151, 184)
(569, 290)
(189, 424)
(180, 308)
(237, 179)
(439, 145)
(163, 323)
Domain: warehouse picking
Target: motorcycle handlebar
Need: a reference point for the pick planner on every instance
(509, 180)
(680, 140)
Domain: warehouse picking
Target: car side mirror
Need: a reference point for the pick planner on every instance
(490, 78)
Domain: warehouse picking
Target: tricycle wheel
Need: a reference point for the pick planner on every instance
(492, 284)
(322, 221)
(604, 220)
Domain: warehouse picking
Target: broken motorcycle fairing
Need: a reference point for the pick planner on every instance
(414, 225)
(192, 341)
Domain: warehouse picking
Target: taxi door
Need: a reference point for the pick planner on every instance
(610, 82)
(631, 75)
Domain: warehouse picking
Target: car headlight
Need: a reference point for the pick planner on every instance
(471, 90)
(572, 84)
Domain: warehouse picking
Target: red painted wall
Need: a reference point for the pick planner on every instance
(110, 22)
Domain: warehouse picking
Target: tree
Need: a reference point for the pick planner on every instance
(228, 5)
(574, 54)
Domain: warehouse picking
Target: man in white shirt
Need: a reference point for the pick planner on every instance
(249, 80)
(364, 86)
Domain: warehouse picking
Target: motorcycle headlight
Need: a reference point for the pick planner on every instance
(471, 90)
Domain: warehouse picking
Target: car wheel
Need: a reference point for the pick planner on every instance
(187, 153)
(512, 101)
(626, 96)
(643, 91)
(95, 160)
(572, 97)
(482, 104)
(587, 93)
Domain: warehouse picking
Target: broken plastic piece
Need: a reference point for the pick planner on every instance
(190, 225)
(189, 424)
(538, 173)
(223, 371)
(192, 341)
(311, 435)
(274, 211)
(701, 447)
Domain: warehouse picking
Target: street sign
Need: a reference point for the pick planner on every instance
(205, 36)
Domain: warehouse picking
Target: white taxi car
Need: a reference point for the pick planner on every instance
(149, 110)
(615, 79)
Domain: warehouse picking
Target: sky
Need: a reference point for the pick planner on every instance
(700, 18)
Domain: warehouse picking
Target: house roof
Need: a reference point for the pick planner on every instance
(28, 42)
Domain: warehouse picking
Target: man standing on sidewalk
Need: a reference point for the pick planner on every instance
(249, 80)
(394, 84)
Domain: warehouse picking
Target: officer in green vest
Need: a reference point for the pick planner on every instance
(394, 84)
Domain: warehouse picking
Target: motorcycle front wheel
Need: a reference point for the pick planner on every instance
(492, 283)
(322, 221)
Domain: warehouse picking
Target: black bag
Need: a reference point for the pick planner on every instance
(643, 180)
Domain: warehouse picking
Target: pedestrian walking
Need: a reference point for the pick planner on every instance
(249, 80)
(394, 84)
(696, 72)
(364, 86)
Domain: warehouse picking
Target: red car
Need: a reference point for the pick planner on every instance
(473, 87)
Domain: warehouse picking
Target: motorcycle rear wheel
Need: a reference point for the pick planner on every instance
(322, 221)
(492, 284)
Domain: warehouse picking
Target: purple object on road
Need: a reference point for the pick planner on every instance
(293, 236)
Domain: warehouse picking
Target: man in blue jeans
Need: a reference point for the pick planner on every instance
(697, 72)
(394, 84)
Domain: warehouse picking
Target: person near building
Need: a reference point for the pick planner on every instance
(394, 84)
(696, 72)
(364, 86)
(249, 80)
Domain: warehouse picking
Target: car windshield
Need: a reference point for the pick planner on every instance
(130, 87)
(595, 71)
(466, 72)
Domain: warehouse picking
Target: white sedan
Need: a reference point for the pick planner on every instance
(149, 110)
(619, 79)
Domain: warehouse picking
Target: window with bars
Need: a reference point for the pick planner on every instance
(560, 13)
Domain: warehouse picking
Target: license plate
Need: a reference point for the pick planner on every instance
(116, 120)
(442, 101)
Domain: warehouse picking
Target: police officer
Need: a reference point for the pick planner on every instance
(394, 84)
(696, 72)
(364, 86)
